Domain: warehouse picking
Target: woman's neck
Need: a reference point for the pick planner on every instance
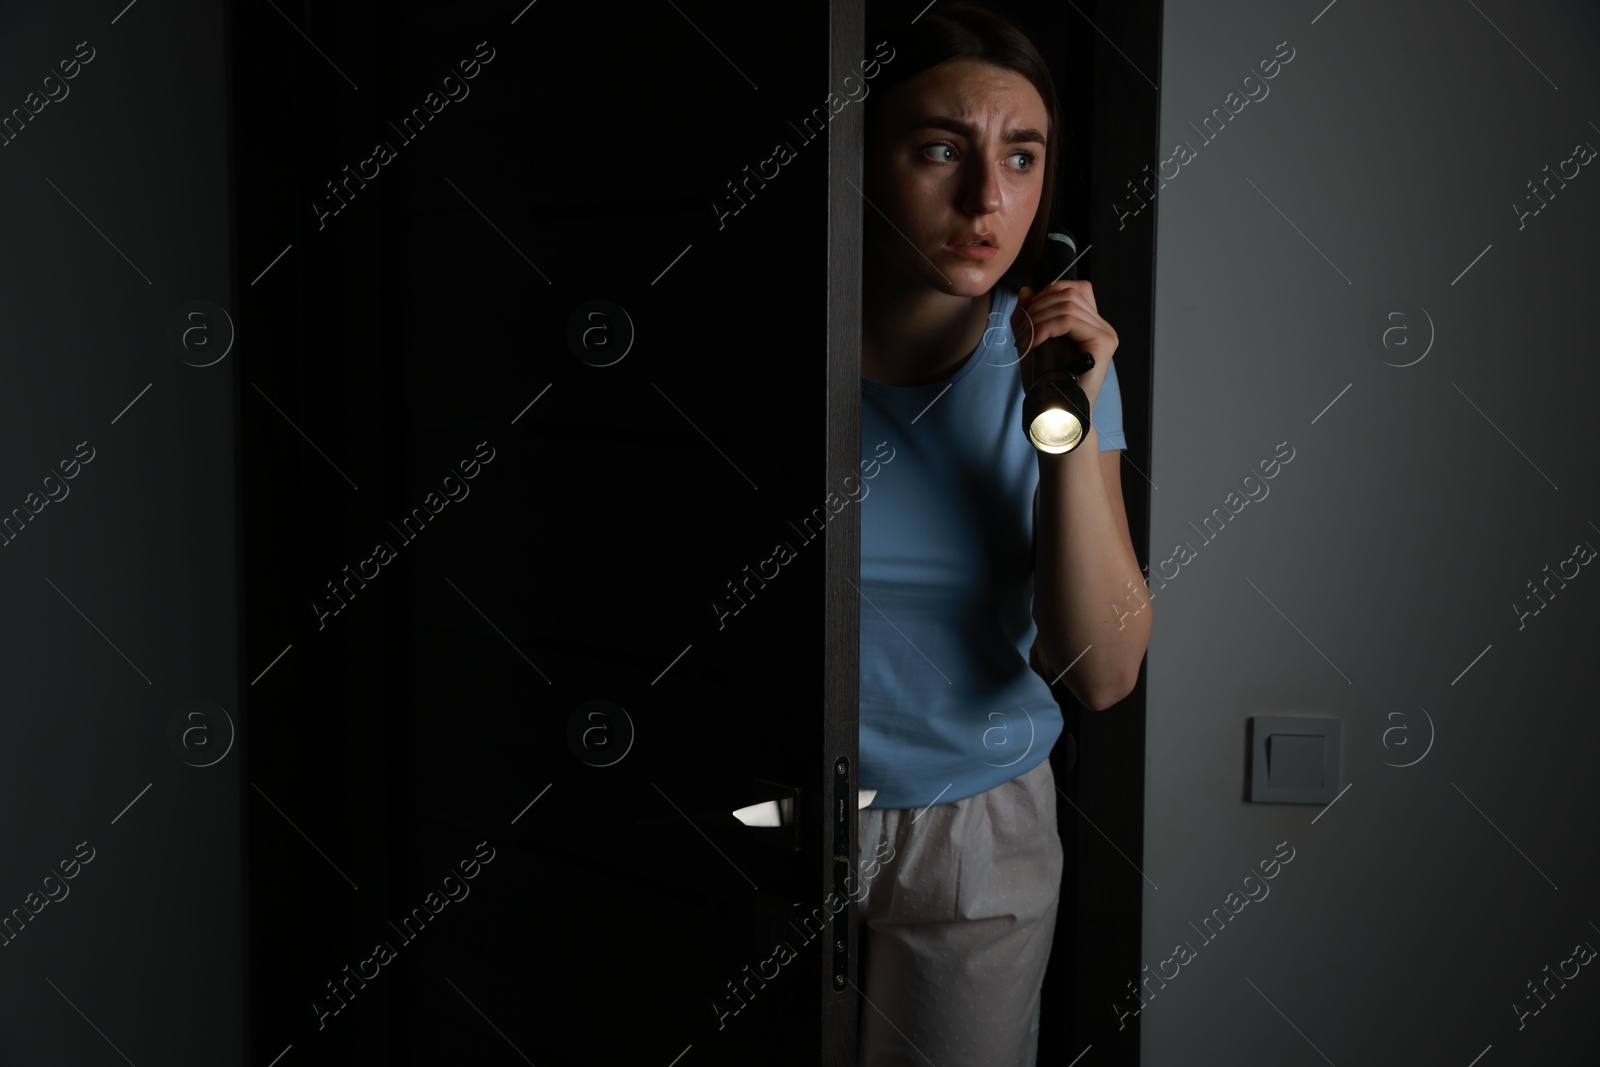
(913, 335)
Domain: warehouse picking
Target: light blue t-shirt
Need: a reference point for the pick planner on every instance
(949, 706)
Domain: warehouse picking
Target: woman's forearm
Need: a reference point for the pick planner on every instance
(1082, 597)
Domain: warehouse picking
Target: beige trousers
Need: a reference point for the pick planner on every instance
(956, 925)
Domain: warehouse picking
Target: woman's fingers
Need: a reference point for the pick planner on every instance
(1050, 306)
(1054, 298)
(1060, 321)
(1053, 310)
(1077, 291)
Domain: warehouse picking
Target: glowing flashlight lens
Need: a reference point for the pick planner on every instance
(1056, 431)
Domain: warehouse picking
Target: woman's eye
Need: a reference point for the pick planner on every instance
(1029, 159)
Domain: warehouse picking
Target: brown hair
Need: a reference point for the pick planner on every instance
(967, 31)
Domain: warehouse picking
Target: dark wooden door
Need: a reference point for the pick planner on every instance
(557, 364)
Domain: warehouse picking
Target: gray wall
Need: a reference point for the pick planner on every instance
(1388, 553)
(122, 602)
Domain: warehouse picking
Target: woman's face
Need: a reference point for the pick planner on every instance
(958, 150)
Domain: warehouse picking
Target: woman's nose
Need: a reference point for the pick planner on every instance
(982, 190)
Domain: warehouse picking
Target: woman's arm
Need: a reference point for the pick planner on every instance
(1088, 592)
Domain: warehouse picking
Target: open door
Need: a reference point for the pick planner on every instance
(553, 383)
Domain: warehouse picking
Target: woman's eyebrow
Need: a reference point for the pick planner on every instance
(1012, 136)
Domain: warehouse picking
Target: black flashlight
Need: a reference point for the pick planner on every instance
(1055, 412)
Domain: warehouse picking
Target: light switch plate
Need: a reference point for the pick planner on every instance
(1294, 759)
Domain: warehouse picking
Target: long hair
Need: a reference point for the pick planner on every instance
(967, 31)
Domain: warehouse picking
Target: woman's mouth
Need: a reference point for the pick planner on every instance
(973, 250)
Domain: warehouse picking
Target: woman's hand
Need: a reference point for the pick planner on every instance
(1064, 309)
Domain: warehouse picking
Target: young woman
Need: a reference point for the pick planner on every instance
(974, 546)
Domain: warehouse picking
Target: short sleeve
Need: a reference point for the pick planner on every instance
(1106, 413)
